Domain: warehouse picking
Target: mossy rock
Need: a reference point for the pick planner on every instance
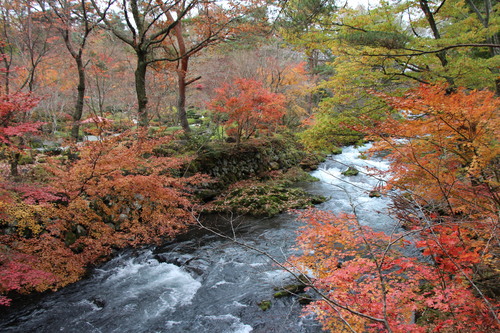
(281, 293)
(305, 299)
(164, 151)
(311, 161)
(297, 174)
(288, 290)
(374, 194)
(351, 171)
(264, 305)
(337, 151)
(53, 151)
(317, 199)
(70, 238)
(265, 200)
(304, 279)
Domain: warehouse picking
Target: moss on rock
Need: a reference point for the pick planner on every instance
(263, 199)
(264, 305)
(351, 171)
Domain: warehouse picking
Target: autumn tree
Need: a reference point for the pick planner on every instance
(17, 274)
(301, 22)
(144, 32)
(444, 153)
(212, 24)
(449, 143)
(118, 192)
(416, 48)
(270, 61)
(6, 48)
(15, 125)
(74, 20)
(392, 46)
(108, 62)
(26, 43)
(368, 284)
(249, 107)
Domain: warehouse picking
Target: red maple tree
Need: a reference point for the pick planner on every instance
(249, 106)
(15, 124)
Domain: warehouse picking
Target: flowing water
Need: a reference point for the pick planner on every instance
(203, 283)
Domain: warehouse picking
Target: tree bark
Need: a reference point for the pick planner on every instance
(140, 88)
(78, 112)
(6, 71)
(424, 5)
(429, 15)
(181, 100)
(14, 162)
(182, 68)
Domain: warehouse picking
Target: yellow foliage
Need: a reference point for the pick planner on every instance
(24, 217)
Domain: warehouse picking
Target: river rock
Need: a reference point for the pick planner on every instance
(197, 266)
(351, 171)
(264, 305)
(305, 299)
(80, 231)
(99, 302)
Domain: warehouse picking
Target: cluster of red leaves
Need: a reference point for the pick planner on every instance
(115, 193)
(249, 106)
(17, 273)
(13, 117)
(32, 193)
(369, 285)
(444, 152)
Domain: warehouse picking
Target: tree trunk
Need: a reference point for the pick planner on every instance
(14, 162)
(140, 88)
(424, 5)
(181, 101)
(6, 74)
(78, 112)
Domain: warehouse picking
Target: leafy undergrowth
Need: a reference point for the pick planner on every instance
(266, 198)
(112, 194)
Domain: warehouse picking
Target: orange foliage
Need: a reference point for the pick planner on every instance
(250, 107)
(123, 180)
(446, 149)
(110, 194)
(444, 152)
(445, 156)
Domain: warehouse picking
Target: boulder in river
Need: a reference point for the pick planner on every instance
(351, 171)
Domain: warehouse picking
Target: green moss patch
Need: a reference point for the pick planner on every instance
(262, 199)
(264, 305)
(351, 172)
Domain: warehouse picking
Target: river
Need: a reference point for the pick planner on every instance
(202, 283)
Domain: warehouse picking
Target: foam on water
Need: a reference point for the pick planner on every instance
(348, 192)
(230, 323)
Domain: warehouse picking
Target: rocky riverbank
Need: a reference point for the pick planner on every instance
(256, 177)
